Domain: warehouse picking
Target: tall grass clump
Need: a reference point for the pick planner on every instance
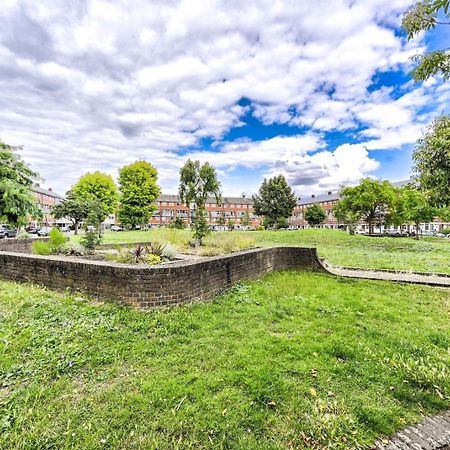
(223, 243)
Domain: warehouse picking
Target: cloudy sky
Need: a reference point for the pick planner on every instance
(315, 89)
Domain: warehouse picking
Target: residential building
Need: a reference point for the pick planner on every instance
(46, 199)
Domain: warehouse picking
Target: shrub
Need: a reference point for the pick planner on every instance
(23, 235)
(90, 241)
(137, 255)
(169, 252)
(155, 248)
(446, 231)
(56, 241)
(260, 228)
(177, 224)
(41, 248)
(73, 249)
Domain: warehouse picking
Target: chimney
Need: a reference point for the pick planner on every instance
(50, 189)
(330, 193)
(313, 196)
(299, 199)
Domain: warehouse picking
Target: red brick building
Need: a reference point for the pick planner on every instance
(236, 211)
(46, 199)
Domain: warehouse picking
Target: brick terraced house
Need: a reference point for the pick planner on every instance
(237, 210)
(46, 199)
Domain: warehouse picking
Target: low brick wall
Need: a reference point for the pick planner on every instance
(18, 245)
(150, 286)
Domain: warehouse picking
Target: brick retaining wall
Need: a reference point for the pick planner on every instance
(19, 245)
(149, 286)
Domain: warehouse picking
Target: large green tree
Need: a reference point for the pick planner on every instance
(432, 162)
(74, 207)
(99, 188)
(315, 215)
(422, 16)
(412, 206)
(17, 203)
(275, 201)
(345, 216)
(197, 183)
(371, 201)
(138, 189)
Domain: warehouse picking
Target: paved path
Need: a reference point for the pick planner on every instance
(406, 277)
(432, 433)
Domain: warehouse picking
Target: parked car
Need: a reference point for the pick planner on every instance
(44, 231)
(7, 232)
(32, 230)
(116, 228)
(65, 229)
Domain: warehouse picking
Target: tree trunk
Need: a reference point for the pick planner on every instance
(417, 230)
(370, 228)
(76, 227)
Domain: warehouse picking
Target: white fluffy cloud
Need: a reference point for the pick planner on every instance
(96, 84)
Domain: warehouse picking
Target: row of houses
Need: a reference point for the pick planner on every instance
(237, 212)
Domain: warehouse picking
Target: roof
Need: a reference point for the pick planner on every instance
(40, 190)
(318, 199)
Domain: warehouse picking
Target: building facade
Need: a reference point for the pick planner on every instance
(46, 199)
(238, 213)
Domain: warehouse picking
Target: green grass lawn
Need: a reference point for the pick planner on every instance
(337, 247)
(292, 360)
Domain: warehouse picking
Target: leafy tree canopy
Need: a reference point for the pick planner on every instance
(16, 179)
(138, 188)
(315, 215)
(74, 207)
(423, 16)
(412, 206)
(275, 201)
(370, 201)
(197, 183)
(432, 162)
(100, 188)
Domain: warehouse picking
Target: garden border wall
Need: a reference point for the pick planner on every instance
(19, 245)
(150, 286)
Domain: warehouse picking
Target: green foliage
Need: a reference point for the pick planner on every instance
(432, 162)
(423, 16)
(141, 254)
(292, 360)
(155, 248)
(200, 226)
(57, 240)
(41, 248)
(55, 244)
(197, 183)
(260, 228)
(221, 221)
(315, 215)
(95, 215)
(90, 241)
(275, 201)
(74, 207)
(412, 206)
(23, 235)
(138, 188)
(177, 224)
(230, 224)
(100, 189)
(169, 252)
(245, 221)
(345, 215)
(446, 231)
(226, 243)
(16, 179)
(371, 201)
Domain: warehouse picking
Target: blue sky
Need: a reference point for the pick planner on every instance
(255, 88)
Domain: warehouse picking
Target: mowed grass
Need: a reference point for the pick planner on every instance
(337, 247)
(293, 360)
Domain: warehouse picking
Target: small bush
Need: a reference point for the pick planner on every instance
(169, 252)
(23, 235)
(73, 249)
(446, 231)
(56, 241)
(137, 255)
(41, 248)
(90, 242)
(155, 248)
(260, 228)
